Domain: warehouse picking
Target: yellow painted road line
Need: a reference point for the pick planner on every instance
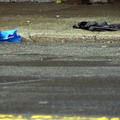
(50, 117)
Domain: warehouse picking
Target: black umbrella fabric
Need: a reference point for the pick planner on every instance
(94, 26)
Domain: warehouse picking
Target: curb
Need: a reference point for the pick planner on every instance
(69, 37)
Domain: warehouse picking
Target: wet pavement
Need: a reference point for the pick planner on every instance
(71, 79)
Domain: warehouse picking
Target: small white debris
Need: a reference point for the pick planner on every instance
(43, 102)
(57, 16)
(104, 46)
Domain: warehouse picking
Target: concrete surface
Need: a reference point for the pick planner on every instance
(53, 22)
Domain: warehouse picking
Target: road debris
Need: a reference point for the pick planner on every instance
(9, 36)
(94, 26)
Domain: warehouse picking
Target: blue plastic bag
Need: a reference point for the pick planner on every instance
(9, 36)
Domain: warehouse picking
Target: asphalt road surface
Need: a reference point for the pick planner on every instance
(69, 79)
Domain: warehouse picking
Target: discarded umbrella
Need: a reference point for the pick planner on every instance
(94, 26)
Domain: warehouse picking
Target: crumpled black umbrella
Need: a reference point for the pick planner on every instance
(94, 26)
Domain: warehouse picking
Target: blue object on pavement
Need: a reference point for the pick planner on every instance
(9, 36)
